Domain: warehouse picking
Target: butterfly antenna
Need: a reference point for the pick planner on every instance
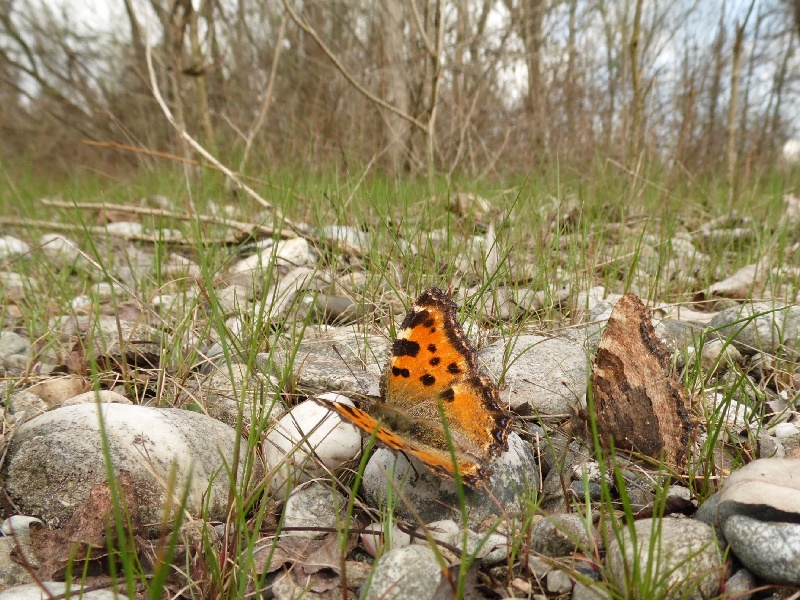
(349, 368)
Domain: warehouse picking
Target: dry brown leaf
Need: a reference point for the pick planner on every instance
(84, 536)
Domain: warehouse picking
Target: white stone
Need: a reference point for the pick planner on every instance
(61, 250)
(287, 253)
(312, 506)
(786, 430)
(446, 531)
(124, 228)
(11, 247)
(791, 152)
(18, 525)
(329, 441)
(294, 253)
(33, 591)
(375, 542)
(98, 396)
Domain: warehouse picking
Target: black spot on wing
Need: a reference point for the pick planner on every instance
(398, 372)
(415, 318)
(432, 348)
(434, 361)
(453, 368)
(427, 379)
(403, 347)
(448, 395)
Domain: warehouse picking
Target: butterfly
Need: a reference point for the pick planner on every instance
(638, 403)
(431, 374)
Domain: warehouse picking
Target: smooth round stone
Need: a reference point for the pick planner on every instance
(147, 442)
(312, 506)
(405, 573)
(13, 343)
(560, 366)
(680, 555)
(98, 396)
(306, 436)
(125, 228)
(11, 247)
(446, 531)
(379, 540)
(559, 535)
(432, 497)
(770, 549)
(491, 548)
(778, 325)
(33, 591)
(18, 525)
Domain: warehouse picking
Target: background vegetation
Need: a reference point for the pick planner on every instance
(476, 88)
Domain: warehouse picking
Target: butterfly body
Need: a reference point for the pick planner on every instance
(431, 375)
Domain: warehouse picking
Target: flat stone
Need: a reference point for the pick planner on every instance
(405, 573)
(684, 562)
(544, 373)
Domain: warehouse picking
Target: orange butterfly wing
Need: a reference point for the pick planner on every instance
(432, 371)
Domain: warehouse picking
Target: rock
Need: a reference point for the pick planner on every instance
(229, 389)
(16, 287)
(683, 563)
(16, 538)
(404, 573)
(492, 548)
(382, 540)
(311, 506)
(25, 406)
(334, 361)
(33, 591)
(142, 440)
(718, 357)
(771, 550)
(741, 284)
(788, 434)
(98, 396)
(294, 252)
(233, 299)
(179, 267)
(54, 391)
(139, 342)
(546, 374)
(759, 514)
(125, 228)
(351, 236)
(12, 573)
(433, 498)
(583, 591)
(558, 582)
(776, 325)
(330, 441)
(740, 584)
(446, 531)
(11, 247)
(18, 525)
(61, 251)
(13, 343)
(286, 297)
(341, 310)
(559, 535)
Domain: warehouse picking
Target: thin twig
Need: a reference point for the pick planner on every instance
(303, 24)
(265, 103)
(248, 228)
